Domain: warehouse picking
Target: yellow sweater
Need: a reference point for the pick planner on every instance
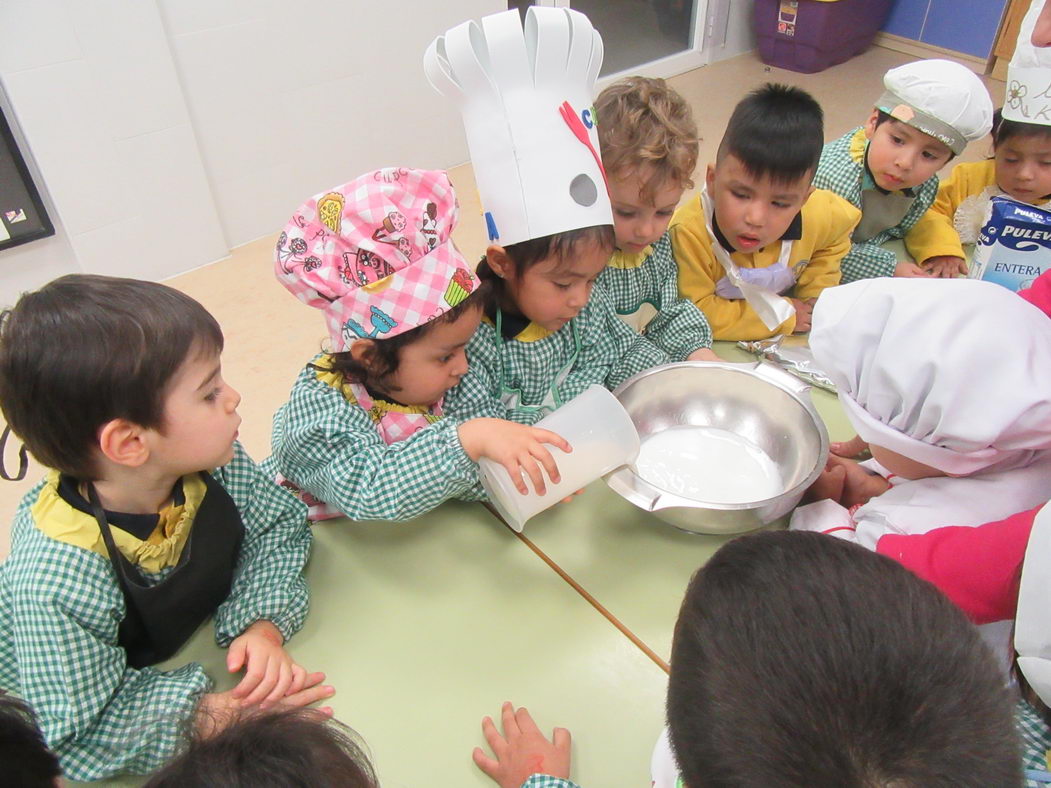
(828, 220)
(962, 200)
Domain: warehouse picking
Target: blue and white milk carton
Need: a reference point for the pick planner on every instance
(1014, 245)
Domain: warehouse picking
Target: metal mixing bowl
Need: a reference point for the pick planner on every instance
(757, 401)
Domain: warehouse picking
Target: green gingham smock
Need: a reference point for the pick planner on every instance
(842, 170)
(652, 277)
(1036, 745)
(596, 347)
(329, 447)
(61, 606)
(547, 781)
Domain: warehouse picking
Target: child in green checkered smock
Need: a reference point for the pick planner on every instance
(649, 149)
(363, 433)
(929, 111)
(152, 520)
(549, 334)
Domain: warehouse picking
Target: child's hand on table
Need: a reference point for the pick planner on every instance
(703, 354)
(804, 314)
(909, 270)
(945, 266)
(270, 673)
(216, 710)
(518, 447)
(523, 750)
(847, 483)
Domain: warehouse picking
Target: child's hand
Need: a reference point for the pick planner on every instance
(945, 266)
(518, 447)
(851, 448)
(523, 750)
(216, 710)
(909, 270)
(703, 354)
(847, 483)
(804, 314)
(270, 673)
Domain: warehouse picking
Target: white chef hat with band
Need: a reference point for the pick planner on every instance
(1028, 97)
(940, 98)
(525, 92)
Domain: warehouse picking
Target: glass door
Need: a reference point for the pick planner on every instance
(656, 38)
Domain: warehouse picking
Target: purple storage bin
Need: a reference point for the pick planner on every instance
(809, 36)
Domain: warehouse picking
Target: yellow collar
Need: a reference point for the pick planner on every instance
(531, 333)
(161, 549)
(621, 259)
(380, 406)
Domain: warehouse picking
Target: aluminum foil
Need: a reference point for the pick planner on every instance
(797, 359)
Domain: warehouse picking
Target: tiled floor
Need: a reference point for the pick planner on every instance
(269, 334)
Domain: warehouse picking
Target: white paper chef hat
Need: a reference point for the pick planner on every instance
(952, 373)
(1033, 618)
(526, 95)
(940, 98)
(1028, 96)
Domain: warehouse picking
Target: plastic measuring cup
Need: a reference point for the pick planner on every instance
(603, 437)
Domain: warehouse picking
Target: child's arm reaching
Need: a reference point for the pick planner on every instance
(518, 447)
(330, 447)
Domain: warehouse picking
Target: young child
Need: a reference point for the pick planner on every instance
(759, 244)
(547, 336)
(851, 672)
(927, 114)
(363, 430)
(25, 760)
(283, 749)
(152, 519)
(649, 151)
(959, 425)
(1020, 169)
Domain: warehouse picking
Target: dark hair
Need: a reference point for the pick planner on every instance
(385, 354)
(803, 660)
(1005, 128)
(560, 246)
(84, 350)
(25, 760)
(295, 748)
(777, 132)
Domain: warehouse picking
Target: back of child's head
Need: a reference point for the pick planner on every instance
(285, 749)
(25, 760)
(644, 125)
(800, 659)
(84, 350)
(776, 132)
(376, 256)
(1005, 129)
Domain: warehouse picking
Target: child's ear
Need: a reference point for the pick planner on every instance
(500, 261)
(808, 193)
(123, 443)
(362, 351)
(870, 124)
(709, 177)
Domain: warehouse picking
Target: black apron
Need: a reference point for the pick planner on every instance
(160, 618)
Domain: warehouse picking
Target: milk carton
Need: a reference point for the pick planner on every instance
(1014, 245)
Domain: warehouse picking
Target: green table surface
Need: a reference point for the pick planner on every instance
(636, 565)
(424, 627)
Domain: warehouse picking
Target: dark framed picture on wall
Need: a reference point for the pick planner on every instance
(22, 215)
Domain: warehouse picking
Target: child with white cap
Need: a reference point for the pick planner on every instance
(362, 434)
(1020, 167)
(927, 114)
(959, 425)
(527, 112)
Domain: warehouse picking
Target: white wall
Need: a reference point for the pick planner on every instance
(733, 29)
(165, 132)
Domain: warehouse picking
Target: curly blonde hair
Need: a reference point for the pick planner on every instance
(643, 122)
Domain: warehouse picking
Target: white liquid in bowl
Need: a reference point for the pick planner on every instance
(708, 464)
